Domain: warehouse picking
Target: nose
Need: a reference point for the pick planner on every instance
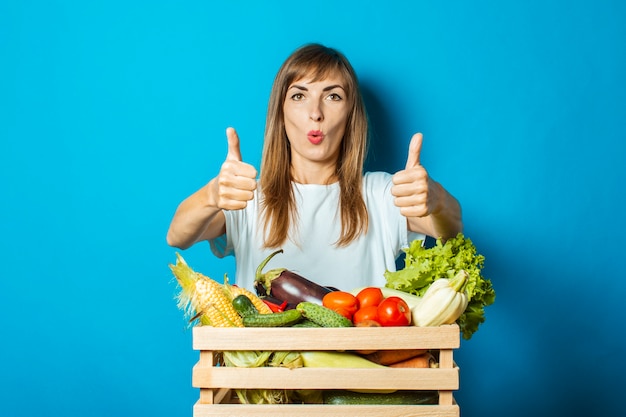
(315, 113)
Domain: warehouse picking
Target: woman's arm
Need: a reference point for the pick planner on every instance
(197, 218)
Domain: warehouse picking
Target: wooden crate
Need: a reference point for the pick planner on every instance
(216, 382)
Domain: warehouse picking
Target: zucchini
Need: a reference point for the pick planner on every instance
(280, 319)
(344, 397)
(244, 306)
(325, 317)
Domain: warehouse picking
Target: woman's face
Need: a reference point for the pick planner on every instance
(316, 115)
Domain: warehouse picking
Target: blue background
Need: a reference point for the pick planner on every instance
(112, 112)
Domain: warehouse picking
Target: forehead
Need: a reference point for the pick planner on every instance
(316, 73)
(308, 80)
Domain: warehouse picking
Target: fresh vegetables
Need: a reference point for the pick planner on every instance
(257, 359)
(411, 299)
(423, 266)
(342, 302)
(444, 301)
(252, 318)
(204, 298)
(393, 311)
(286, 285)
(384, 305)
(344, 397)
(439, 300)
(333, 359)
(322, 316)
(425, 360)
(233, 291)
(369, 297)
(306, 323)
(366, 314)
(402, 358)
(368, 323)
(210, 302)
(391, 356)
(281, 319)
(275, 304)
(243, 305)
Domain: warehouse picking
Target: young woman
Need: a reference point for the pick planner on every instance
(336, 225)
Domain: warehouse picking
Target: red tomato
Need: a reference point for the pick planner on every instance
(346, 313)
(394, 311)
(341, 300)
(370, 296)
(365, 313)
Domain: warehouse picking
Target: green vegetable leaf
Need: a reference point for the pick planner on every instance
(425, 265)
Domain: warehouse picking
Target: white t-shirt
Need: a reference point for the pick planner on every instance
(311, 252)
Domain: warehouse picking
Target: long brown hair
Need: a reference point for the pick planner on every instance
(278, 203)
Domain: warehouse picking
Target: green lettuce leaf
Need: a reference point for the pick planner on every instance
(425, 265)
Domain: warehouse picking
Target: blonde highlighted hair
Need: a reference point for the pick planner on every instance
(315, 62)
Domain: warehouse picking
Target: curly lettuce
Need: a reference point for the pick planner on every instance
(425, 265)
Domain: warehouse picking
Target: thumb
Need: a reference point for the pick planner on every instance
(234, 152)
(415, 148)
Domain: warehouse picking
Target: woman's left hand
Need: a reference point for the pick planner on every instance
(415, 193)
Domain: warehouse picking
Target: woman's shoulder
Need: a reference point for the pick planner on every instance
(376, 179)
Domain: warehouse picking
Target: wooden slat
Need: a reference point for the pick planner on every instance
(310, 410)
(326, 378)
(365, 338)
(446, 398)
(446, 359)
(206, 361)
(221, 394)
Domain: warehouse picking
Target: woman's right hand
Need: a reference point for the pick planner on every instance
(235, 184)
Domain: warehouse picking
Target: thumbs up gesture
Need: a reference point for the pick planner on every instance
(235, 184)
(412, 187)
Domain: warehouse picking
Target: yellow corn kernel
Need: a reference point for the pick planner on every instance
(216, 309)
(204, 297)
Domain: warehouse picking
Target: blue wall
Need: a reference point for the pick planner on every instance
(112, 112)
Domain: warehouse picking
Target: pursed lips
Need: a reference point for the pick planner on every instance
(315, 136)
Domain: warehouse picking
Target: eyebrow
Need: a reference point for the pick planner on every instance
(330, 87)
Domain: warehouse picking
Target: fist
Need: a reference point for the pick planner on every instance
(235, 184)
(411, 185)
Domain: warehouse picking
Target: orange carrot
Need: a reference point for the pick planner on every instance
(364, 352)
(388, 357)
(425, 360)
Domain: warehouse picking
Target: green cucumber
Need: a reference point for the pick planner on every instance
(306, 323)
(282, 319)
(344, 397)
(325, 317)
(244, 306)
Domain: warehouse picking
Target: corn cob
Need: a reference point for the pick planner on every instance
(212, 304)
(204, 297)
(233, 291)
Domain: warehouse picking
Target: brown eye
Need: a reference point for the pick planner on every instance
(335, 97)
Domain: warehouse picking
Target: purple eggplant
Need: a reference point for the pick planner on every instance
(288, 286)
